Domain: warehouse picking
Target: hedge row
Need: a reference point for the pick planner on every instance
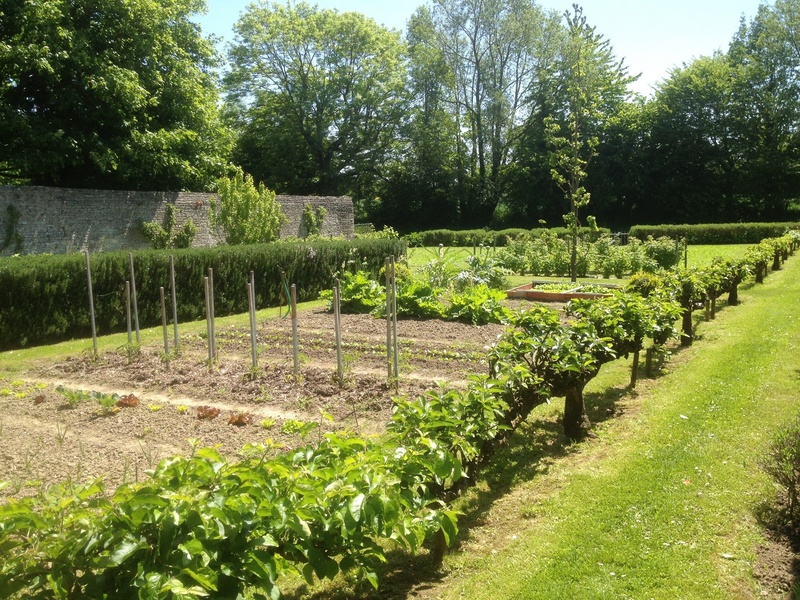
(719, 233)
(474, 237)
(44, 299)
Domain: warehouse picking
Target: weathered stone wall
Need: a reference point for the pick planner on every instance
(60, 220)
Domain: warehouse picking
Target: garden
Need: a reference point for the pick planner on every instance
(297, 445)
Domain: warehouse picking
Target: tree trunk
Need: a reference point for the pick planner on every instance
(648, 361)
(687, 335)
(760, 268)
(707, 304)
(634, 368)
(713, 308)
(733, 295)
(576, 424)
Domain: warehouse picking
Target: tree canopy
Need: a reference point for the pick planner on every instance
(109, 94)
(484, 113)
(321, 95)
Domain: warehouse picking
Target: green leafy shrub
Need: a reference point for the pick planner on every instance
(481, 270)
(782, 463)
(245, 213)
(418, 299)
(358, 294)
(663, 251)
(169, 236)
(312, 219)
(478, 305)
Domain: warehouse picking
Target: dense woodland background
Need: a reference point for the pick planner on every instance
(482, 113)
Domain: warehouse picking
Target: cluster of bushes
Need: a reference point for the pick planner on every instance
(719, 233)
(475, 237)
(710, 234)
(44, 299)
(438, 290)
(549, 254)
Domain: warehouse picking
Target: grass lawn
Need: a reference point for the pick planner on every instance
(664, 503)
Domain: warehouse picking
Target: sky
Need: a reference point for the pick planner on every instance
(653, 36)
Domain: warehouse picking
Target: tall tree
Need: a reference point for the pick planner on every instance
(592, 85)
(693, 157)
(765, 56)
(330, 84)
(109, 94)
(423, 188)
(492, 49)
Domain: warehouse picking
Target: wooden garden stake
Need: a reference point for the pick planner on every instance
(128, 310)
(337, 324)
(253, 341)
(394, 329)
(91, 304)
(164, 326)
(295, 341)
(208, 324)
(211, 312)
(135, 305)
(389, 345)
(174, 298)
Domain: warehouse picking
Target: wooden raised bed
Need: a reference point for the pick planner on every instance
(529, 292)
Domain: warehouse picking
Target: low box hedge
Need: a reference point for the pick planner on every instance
(474, 237)
(44, 298)
(716, 233)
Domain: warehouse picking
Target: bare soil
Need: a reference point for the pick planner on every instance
(47, 441)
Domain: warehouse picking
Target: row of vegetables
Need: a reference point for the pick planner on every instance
(206, 525)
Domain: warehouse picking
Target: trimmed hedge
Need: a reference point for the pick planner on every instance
(473, 237)
(44, 299)
(719, 233)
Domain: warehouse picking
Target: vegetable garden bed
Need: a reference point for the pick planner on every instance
(46, 440)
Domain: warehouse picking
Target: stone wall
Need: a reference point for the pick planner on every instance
(61, 220)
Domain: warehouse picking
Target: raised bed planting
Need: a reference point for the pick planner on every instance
(548, 291)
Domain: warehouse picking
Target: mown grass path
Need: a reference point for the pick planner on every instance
(664, 503)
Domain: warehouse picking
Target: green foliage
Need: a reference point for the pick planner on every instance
(246, 214)
(169, 236)
(43, 298)
(13, 238)
(717, 233)
(478, 305)
(386, 233)
(417, 298)
(476, 237)
(359, 294)
(110, 95)
(319, 96)
(782, 462)
(73, 397)
(481, 271)
(312, 219)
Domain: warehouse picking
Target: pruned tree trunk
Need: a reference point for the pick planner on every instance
(713, 308)
(634, 369)
(733, 295)
(707, 306)
(760, 269)
(687, 336)
(576, 424)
